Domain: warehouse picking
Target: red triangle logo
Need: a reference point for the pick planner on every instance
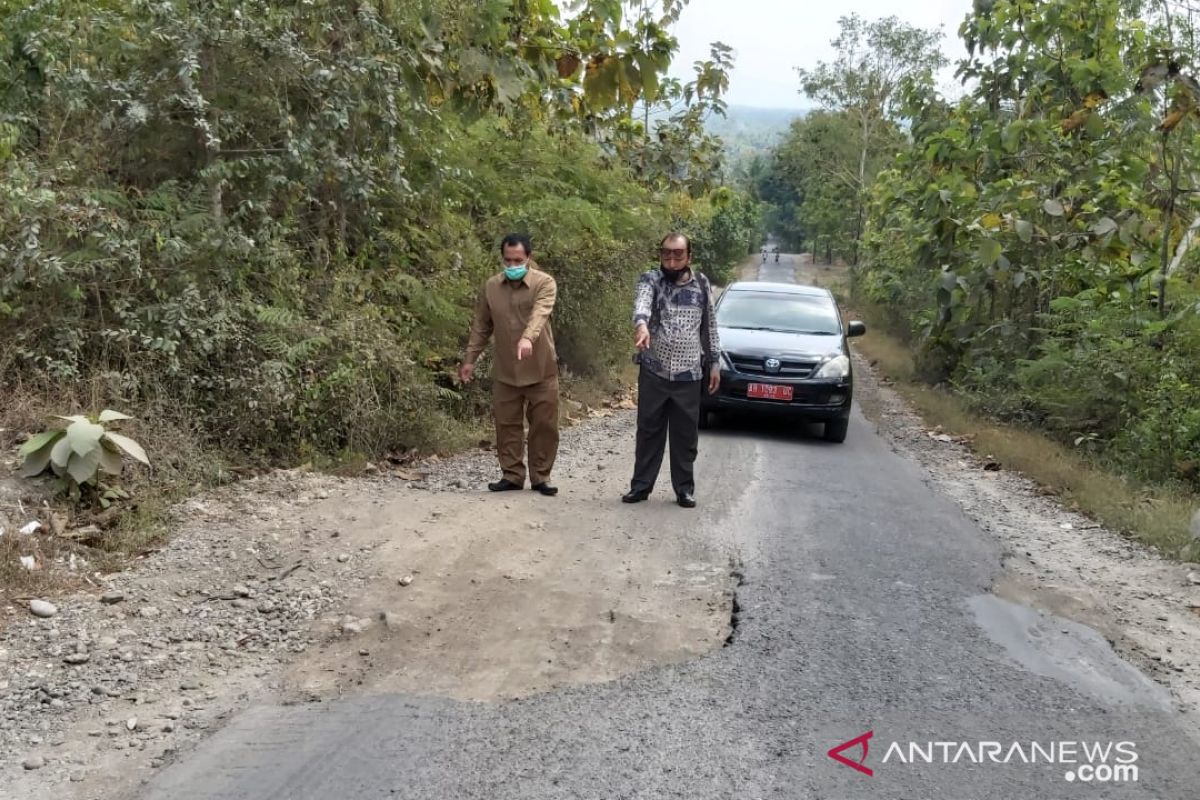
(860, 765)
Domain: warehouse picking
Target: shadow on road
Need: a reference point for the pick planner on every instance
(780, 429)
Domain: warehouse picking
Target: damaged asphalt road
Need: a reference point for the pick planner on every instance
(863, 605)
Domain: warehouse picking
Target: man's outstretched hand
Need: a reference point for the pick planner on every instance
(642, 339)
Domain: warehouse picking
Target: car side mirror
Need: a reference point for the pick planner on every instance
(856, 328)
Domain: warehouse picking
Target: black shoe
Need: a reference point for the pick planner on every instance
(687, 500)
(545, 488)
(504, 485)
(635, 496)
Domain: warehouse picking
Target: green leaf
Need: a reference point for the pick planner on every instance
(1065, 304)
(1053, 208)
(108, 415)
(82, 469)
(61, 454)
(989, 251)
(39, 441)
(73, 418)
(84, 436)
(36, 462)
(110, 461)
(129, 446)
(1024, 230)
(1105, 226)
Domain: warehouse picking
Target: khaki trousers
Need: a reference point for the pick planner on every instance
(511, 407)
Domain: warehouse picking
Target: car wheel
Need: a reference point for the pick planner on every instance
(835, 430)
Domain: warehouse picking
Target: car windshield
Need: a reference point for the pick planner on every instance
(776, 311)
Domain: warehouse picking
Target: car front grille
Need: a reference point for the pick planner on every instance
(751, 365)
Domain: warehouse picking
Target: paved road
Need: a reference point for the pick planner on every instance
(864, 608)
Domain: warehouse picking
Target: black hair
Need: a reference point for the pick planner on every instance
(514, 239)
(671, 236)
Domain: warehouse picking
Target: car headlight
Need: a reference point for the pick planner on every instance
(837, 367)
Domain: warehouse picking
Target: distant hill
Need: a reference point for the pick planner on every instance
(754, 123)
(750, 132)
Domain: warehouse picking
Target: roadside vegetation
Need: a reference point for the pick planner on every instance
(258, 228)
(1030, 242)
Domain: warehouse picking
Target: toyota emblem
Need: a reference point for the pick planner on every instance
(773, 365)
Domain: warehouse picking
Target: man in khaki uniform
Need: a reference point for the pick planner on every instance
(515, 306)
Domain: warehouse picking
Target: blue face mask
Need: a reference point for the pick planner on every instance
(516, 273)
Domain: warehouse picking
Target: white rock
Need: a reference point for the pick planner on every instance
(41, 608)
(32, 527)
(34, 762)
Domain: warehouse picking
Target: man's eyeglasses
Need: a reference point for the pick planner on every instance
(666, 253)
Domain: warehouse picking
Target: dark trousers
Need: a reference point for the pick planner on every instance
(666, 409)
(512, 407)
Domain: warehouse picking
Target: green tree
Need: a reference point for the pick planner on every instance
(267, 221)
(878, 64)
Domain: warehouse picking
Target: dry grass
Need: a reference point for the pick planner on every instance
(1157, 517)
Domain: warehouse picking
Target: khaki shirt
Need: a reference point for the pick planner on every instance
(510, 312)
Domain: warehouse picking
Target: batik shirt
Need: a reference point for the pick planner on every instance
(676, 348)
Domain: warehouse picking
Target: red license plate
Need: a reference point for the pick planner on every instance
(768, 391)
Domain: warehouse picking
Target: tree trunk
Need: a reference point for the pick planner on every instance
(860, 195)
(216, 186)
(1168, 221)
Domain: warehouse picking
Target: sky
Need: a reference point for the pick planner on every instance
(772, 37)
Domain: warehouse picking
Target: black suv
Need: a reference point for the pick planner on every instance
(784, 351)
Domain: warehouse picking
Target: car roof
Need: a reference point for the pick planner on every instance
(778, 288)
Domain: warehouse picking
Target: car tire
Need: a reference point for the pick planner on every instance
(835, 430)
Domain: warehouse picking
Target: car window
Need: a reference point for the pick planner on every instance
(792, 313)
